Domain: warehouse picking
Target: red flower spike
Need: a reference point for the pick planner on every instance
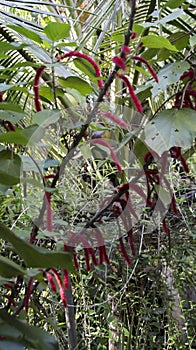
(115, 119)
(126, 50)
(175, 152)
(132, 94)
(10, 299)
(87, 58)
(150, 68)
(184, 164)
(61, 289)
(130, 235)
(48, 211)
(119, 62)
(150, 154)
(101, 246)
(112, 153)
(129, 205)
(165, 228)
(164, 159)
(87, 248)
(134, 35)
(189, 74)
(123, 251)
(38, 76)
(76, 264)
(32, 239)
(1, 96)
(174, 207)
(50, 176)
(66, 279)
(28, 294)
(86, 255)
(9, 125)
(51, 281)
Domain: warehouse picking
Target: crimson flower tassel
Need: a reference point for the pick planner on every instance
(175, 153)
(101, 246)
(28, 294)
(38, 76)
(112, 153)
(123, 251)
(149, 67)
(51, 281)
(87, 58)
(115, 119)
(119, 62)
(60, 284)
(165, 228)
(126, 50)
(48, 211)
(87, 248)
(132, 94)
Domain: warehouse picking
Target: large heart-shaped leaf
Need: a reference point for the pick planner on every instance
(36, 256)
(10, 168)
(170, 128)
(56, 31)
(19, 332)
(9, 268)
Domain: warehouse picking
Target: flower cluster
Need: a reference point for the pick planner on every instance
(186, 98)
(120, 62)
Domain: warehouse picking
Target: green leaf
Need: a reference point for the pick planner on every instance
(193, 40)
(11, 112)
(30, 34)
(31, 134)
(170, 128)
(10, 168)
(8, 268)
(31, 336)
(179, 39)
(8, 106)
(56, 31)
(76, 83)
(174, 3)
(36, 257)
(11, 345)
(85, 67)
(46, 117)
(158, 42)
(4, 46)
(168, 75)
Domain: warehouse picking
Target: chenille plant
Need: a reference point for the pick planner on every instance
(85, 209)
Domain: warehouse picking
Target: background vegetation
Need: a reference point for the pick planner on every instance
(54, 179)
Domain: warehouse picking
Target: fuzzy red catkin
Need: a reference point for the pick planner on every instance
(123, 251)
(87, 58)
(28, 294)
(115, 119)
(150, 68)
(119, 62)
(38, 76)
(66, 279)
(60, 284)
(125, 49)
(10, 299)
(51, 281)
(48, 211)
(165, 228)
(112, 153)
(101, 246)
(132, 94)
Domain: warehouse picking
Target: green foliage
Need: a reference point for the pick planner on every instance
(36, 256)
(20, 335)
(135, 304)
